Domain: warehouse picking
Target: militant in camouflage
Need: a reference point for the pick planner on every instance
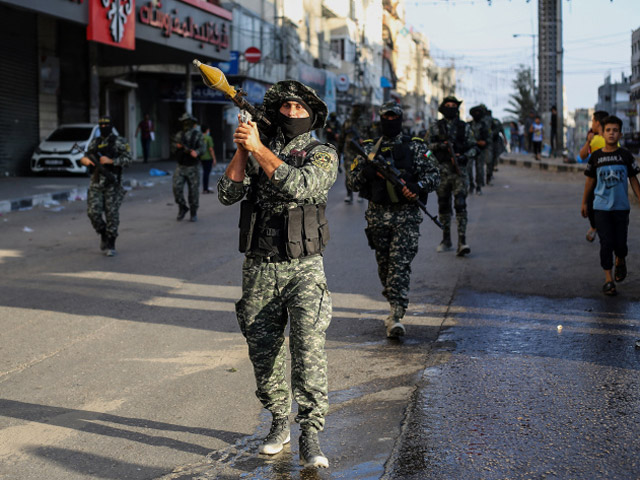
(105, 193)
(459, 136)
(393, 222)
(278, 290)
(188, 168)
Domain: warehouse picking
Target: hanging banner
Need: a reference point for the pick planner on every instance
(112, 22)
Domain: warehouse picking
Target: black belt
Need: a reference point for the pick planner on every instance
(275, 258)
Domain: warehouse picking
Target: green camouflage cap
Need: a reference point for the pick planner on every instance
(478, 110)
(187, 117)
(291, 89)
(451, 98)
(390, 107)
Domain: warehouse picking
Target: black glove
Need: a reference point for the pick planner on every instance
(413, 186)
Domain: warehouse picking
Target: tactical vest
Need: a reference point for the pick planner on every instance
(380, 190)
(108, 149)
(295, 233)
(184, 157)
(459, 141)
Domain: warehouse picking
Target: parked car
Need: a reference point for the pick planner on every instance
(57, 153)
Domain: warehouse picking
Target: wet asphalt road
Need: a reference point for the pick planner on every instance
(527, 388)
(134, 368)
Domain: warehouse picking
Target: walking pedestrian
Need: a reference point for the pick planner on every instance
(358, 126)
(482, 134)
(393, 217)
(595, 141)
(187, 145)
(453, 144)
(147, 134)
(283, 232)
(107, 153)
(208, 159)
(607, 172)
(536, 130)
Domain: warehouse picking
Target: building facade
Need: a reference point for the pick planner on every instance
(634, 88)
(68, 61)
(613, 97)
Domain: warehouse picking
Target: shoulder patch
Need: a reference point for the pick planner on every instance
(322, 160)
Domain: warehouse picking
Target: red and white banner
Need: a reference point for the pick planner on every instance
(112, 22)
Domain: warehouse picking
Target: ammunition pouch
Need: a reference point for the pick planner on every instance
(299, 232)
(247, 221)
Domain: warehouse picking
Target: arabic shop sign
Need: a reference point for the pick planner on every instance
(112, 22)
(185, 27)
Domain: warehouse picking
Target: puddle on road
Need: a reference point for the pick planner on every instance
(506, 396)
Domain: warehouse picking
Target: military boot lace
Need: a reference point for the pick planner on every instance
(310, 453)
(279, 435)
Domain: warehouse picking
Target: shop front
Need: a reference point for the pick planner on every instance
(66, 61)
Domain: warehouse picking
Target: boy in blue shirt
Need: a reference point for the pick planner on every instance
(607, 173)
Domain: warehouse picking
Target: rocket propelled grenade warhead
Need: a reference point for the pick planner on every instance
(214, 78)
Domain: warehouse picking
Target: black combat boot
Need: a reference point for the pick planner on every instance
(111, 247)
(194, 215)
(310, 453)
(182, 212)
(104, 241)
(279, 435)
(463, 248)
(445, 244)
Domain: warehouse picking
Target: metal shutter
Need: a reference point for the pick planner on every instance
(18, 90)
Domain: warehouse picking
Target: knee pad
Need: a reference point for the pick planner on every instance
(460, 203)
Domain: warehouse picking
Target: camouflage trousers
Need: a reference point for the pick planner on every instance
(347, 161)
(103, 207)
(190, 176)
(453, 186)
(492, 161)
(477, 163)
(393, 233)
(274, 294)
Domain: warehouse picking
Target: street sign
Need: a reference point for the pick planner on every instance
(343, 83)
(252, 54)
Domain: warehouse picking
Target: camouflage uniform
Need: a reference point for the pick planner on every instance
(393, 223)
(452, 184)
(276, 288)
(333, 130)
(358, 125)
(480, 131)
(105, 193)
(188, 168)
(497, 145)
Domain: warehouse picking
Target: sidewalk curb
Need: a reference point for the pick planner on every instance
(542, 164)
(14, 205)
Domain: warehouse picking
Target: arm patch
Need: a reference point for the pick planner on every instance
(322, 160)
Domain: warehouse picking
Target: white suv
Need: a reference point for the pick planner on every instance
(57, 153)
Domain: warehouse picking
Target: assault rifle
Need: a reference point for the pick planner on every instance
(452, 154)
(215, 79)
(389, 172)
(98, 169)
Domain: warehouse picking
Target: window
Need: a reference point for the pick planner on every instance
(337, 46)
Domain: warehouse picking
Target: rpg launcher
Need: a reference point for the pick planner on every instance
(215, 79)
(98, 169)
(385, 168)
